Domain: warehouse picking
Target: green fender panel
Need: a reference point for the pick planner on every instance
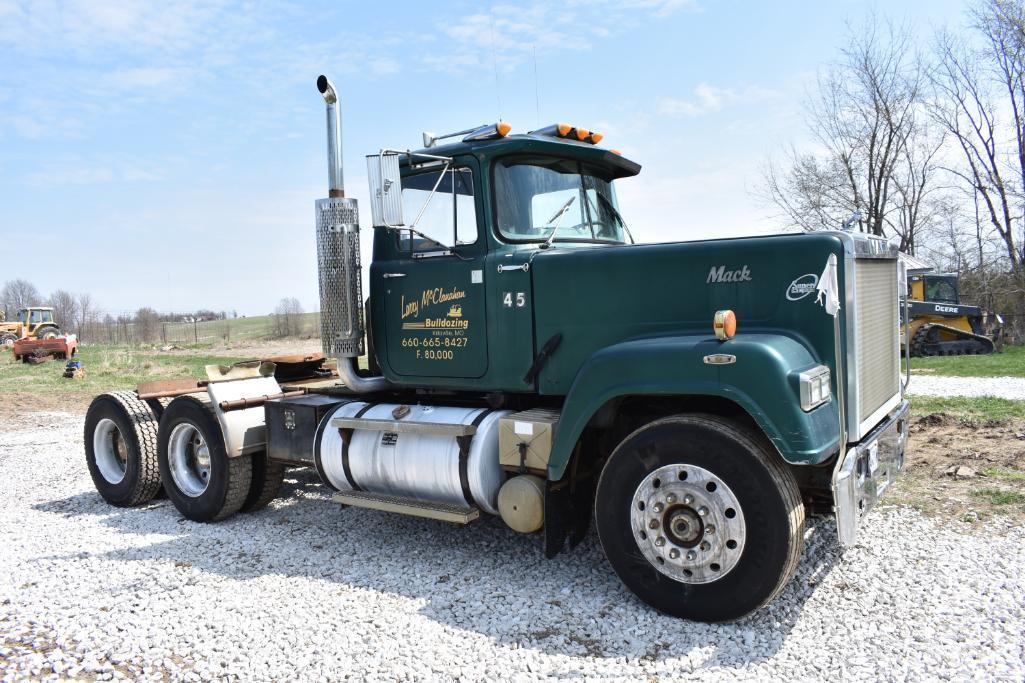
(762, 381)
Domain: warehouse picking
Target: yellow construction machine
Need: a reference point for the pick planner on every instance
(941, 325)
(35, 321)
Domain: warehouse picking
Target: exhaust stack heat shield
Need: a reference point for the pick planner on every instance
(338, 268)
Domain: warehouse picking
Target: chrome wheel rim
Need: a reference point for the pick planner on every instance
(188, 458)
(110, 451)
(688, 523)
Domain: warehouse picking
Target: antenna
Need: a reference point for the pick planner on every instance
(537, 92)
(494, 62)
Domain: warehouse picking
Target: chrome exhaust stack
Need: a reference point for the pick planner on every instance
(335, 179)
(338, 262)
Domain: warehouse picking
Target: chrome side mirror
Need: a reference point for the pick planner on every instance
(385, 189)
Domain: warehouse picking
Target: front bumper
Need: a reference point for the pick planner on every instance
(867, 469)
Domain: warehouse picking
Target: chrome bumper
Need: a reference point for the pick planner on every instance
(866, 470)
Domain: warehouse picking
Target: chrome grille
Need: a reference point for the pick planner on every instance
(341, 287)
(877, 354)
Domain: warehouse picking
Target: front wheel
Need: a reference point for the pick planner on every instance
(699, 518)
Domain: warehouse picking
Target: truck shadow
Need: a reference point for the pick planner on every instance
(487, 579)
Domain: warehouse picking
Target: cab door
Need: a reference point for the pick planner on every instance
(435, 312)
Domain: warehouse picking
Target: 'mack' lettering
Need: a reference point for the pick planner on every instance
(720, 274)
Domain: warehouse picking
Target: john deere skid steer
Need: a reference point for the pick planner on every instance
(942, 326)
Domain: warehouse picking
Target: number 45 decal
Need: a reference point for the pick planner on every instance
(507, 299)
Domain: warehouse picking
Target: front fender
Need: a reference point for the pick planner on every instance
(762, 381)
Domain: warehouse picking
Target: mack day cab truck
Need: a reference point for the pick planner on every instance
(527, 360)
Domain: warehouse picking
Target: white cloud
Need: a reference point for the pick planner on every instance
(148, 77)
(509, 35)
(88, 26)
(708, 99)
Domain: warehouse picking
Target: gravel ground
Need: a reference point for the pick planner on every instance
(1001, 387)
(305, 589)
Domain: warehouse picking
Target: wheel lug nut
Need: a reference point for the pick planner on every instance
(688, 499)
(710, 529)
(705, 545)
(660, 541)
(673, 554)
(657, 507)
(671, 498)
(703, 511)
(691, 555)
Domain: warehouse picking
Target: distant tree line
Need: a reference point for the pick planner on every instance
(78, 314)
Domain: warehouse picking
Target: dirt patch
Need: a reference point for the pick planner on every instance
(964, 469)
(15, 405)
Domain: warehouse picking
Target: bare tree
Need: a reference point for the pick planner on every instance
(878, 156)
(87, 314)
(65, 309)
(18, 294)
(288, 321)
(973, 87)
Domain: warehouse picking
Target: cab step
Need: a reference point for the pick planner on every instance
(407, 506)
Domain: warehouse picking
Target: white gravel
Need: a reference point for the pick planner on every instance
(307, 590)
(1001, 387)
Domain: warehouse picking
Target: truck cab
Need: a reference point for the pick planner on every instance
(453, 304)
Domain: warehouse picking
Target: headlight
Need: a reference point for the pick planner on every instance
(815, 387)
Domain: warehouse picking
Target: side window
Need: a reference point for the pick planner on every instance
(449, 216)
(36, 317)
(47, 316)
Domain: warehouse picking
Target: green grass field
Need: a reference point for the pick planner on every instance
(983, 408)
(1010, 363)
(108, 368)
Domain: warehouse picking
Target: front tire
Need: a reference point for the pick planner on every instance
(202, 482)
(699, 518)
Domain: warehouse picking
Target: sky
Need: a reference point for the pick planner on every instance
(168, 154)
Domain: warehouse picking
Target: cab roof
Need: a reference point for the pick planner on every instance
(529, 143)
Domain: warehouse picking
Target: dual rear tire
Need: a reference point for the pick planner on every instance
(135, 450)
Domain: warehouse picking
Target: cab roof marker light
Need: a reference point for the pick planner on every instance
(491, 131)
(595, 138)
(582, 134)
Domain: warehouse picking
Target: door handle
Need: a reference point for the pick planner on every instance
(388, 276)
(525, 266)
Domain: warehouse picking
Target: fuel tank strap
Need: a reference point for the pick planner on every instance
(464, 458)
(346, 435)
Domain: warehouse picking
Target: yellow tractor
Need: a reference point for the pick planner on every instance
(35, 321)
(942, 326)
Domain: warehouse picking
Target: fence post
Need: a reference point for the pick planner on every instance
(195, 330)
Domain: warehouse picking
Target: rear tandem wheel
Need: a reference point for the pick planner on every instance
(121, 448)
(203, 483)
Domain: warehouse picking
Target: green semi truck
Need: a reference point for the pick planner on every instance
(525, 358)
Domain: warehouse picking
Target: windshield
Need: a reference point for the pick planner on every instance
(536, 195)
